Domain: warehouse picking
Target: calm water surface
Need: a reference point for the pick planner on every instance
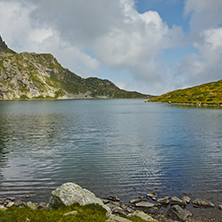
(122, 147)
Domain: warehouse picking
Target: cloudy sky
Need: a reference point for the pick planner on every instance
(150, 46)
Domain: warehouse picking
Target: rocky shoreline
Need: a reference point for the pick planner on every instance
(148, 206)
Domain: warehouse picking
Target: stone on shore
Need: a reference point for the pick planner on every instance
(152, 195)
(220, 207)
(202, 203)
(177, 201)
(143, 216)
(3, 208)
(164, 200)
(177, 213)
(32, 205)
(115, 218)
(70, 193)
(134, 201)
(116, 209)
(18, 203)
(113, 198)
(145, 204)
(187, 199)
(10, 204)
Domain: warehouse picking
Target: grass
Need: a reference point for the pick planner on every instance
(210, 93)
(88, 213)
(85, 213)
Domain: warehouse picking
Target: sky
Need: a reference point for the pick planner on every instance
(149, 46)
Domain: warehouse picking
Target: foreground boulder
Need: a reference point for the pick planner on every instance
(70, 193)
(178, 213)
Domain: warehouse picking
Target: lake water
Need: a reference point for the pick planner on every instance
(124, 147)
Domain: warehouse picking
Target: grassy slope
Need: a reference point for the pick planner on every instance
(64, 80)
(210, 93)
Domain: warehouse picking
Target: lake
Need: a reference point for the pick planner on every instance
(123, 147)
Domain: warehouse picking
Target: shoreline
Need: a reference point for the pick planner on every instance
(188, 104)
(158, 211)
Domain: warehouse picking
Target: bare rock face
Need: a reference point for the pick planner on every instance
(70, 193)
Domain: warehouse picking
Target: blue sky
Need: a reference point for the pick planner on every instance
(150, 46)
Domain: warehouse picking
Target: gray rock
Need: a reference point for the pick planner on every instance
(187, 199)
(113, 198)
(152, 195)
(41, 206)
(122, 209)
(10, 204)
(18, 203)
(127, 209)
(11, 198)
(3, 208)
(202, 203)
(71, 213)
(70, 193)
(32, 205)
(115, 218)
(27, 196)
(177, 213)
(220, 207)
(164, 200)
(145, 204)
(105, 201)
(134, 201)
(177, 201)
(143, 216)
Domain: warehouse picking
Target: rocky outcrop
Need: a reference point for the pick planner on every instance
(40, 76)
(3, 45)
(4, 50)
(70, 193)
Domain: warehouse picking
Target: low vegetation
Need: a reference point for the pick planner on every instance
(210, 93)
(90, 213)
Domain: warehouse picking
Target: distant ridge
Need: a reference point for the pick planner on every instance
(209, 94)
(40, 76)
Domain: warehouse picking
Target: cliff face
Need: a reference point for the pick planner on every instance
(38, 76)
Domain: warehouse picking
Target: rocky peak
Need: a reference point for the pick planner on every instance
(2, 44)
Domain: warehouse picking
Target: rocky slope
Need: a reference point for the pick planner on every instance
(40, 76)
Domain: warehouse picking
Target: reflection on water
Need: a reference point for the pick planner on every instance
(123, 147)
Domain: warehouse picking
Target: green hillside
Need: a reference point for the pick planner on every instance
(40, 76)
(210, 93)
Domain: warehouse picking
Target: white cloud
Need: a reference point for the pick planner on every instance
(86, 35)
(204, 66)
(204, 14)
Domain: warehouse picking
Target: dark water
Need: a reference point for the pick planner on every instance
(122, 147)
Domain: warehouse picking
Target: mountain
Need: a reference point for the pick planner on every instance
(40, 76)
(209, 93)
